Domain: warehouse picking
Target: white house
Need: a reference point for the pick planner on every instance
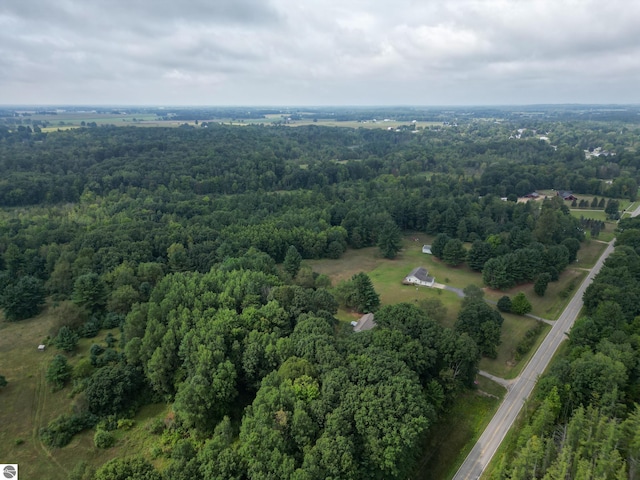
(419, 276)
(426, 249)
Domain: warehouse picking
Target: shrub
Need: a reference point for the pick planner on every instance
(103, 439)
(504, 304)
(520, 305)
(528, 340)
(61, 430)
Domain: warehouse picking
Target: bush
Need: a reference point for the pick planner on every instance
(58, 372)
(540, 287)
(504, 304)
(61, 430)
(66, 340)
(103, 439)
(527, 342)
(520, 305)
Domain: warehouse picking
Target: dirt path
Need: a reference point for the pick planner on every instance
(39, 402)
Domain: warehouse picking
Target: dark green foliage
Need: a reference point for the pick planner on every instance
(66, 339)
(483, 324)
(59, 372)
(133, 468)
(520, 305)
(89, 292)
(111, 389)
(541, 283)
(365, 299)
(504, 304)
(438, 245)
(390, 240)
(3, 381)
(454, 252)
(479, 254)
(218, 207)
(527, 342)
(292, 261)
(22, 299)
(61, 430)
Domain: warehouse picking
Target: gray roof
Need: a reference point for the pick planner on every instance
(421, 274)
(365, 323)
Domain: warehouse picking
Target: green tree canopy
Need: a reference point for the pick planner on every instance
(22, 299)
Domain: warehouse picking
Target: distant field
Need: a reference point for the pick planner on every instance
(66, 120)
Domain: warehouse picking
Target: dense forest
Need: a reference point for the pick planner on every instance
(176, 236)
(587, 424)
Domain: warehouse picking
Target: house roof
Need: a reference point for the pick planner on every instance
(421, 274)
(566, 194)
(366, 322)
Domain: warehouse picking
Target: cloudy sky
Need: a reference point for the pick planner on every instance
(319, 52)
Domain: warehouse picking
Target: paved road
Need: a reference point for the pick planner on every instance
(521, 388)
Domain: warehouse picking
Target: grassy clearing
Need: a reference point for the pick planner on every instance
(28, 404)
(593, 214)
(552, 304)
(514, 328)
(589, 253)
(453, 436)
(387, 275)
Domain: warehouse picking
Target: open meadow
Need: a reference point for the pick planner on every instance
(28, 403)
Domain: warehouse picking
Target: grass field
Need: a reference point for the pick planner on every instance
(513, 329)
(28, 404)
(453, 436)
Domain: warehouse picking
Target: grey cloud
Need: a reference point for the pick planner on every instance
(322, 51)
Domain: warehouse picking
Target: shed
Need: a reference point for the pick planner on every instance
(41, 348)
(366, 322)
(426, 249)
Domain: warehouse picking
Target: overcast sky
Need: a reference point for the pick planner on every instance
(319, 52)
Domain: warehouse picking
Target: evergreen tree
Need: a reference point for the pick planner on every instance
(504, 304)
(89, 292)
(59, 371)
(22, 299)
(66, 339)
(292, 261)
(437, 248)
(365, 298)
(520, 305)
(454, 252)
(390, 240)
(540, 286)
(3, 381)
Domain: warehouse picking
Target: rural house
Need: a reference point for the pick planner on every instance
(566, 195)
(419, 276)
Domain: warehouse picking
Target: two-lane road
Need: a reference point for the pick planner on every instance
(490, 440)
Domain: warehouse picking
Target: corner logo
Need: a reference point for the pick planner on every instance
(9, 471)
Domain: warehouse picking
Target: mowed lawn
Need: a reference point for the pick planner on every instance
(29, 404)
(387, 275)
(514, 328)
(454, 435)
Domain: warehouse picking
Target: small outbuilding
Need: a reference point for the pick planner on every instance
(41, 348)
(426, 249)
(419, 276)
(366, 322)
